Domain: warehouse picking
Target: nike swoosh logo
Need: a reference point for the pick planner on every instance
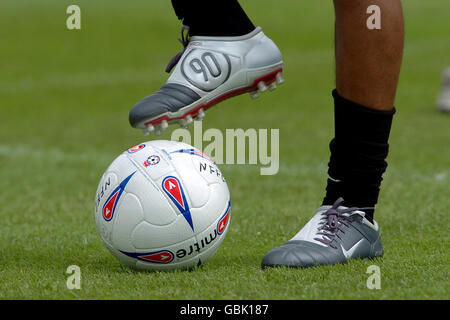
(348, 253)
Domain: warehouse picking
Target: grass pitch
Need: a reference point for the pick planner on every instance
(64, 102)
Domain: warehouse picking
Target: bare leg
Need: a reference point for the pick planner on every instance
(368, 61)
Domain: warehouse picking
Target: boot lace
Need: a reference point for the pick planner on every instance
(184, 41)
(333, 220)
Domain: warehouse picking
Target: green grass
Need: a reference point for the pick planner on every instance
(64, 102)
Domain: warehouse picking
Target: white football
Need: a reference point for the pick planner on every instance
(162, 205)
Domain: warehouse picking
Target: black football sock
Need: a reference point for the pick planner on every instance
(358, 154)
(218, 18)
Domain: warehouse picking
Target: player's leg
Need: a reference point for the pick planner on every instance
(368, 60)
(443, 103)
(224, 55)
(367, 69)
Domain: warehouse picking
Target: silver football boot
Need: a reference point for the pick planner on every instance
(334, 235)
(208, 71)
